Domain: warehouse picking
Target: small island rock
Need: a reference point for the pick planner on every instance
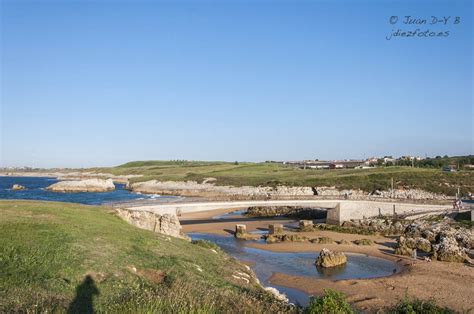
(89, 185)
(328, 258)
(18, 187)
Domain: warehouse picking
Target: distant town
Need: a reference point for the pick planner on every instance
(445, 162)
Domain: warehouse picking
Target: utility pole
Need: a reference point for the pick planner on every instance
(392, 189)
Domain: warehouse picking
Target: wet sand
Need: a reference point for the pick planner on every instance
(450, 284)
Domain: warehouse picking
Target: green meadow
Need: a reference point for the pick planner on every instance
(272, 174)
(58, 257)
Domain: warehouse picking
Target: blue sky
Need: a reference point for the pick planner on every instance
(97, 83)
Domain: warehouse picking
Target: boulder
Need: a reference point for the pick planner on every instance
(364, 242)
(294, 238)
(448, 250)
(18, 187)
(306, 225)
(423, 245)
(275, 229)
(329, 258)
(240, 229)
(166, 224)
(323, 240)
(89, 185)
(272, 239)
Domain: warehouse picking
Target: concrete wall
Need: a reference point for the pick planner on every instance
(363, 209)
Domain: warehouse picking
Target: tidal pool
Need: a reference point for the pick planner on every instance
(265, 263)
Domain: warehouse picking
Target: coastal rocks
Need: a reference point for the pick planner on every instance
(285, 211)
(440, 240)
(17, 187)
(289, 237)
(448, 250)
(323, 240)
(423, 245)
(208, 188)
(277, 294)
(364, 242)
(329, 258)
(89, 185)
(275, 229)
(241, 233)
(306, 225)
(167, 224)
(376, 225)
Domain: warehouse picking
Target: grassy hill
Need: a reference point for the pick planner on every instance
(271, 174)
(59, 257)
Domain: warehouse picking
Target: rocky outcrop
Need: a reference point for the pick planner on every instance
(208, 188)
(286, 211)
(167, 224)
(89, 185)
(364, 242)
(448, 250)
(442, 241)
(17, 187)
(377, 225)
(329, 258)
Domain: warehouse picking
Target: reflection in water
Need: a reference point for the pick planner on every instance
(265, 263)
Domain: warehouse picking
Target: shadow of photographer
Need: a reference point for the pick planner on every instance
(83, 302)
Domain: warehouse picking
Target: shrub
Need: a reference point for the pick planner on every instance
(415, 306)
(331, 302)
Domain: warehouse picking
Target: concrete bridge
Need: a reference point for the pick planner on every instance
(338, 210)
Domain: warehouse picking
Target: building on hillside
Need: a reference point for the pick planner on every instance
(340, 164)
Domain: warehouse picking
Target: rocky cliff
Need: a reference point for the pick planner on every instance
(89, 185)
(166, 224)
(207, 189)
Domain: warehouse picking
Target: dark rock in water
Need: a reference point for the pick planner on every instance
(329, 258)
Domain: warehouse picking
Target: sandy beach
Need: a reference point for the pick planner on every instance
(450, 284)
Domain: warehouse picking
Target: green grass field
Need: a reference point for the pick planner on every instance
(271, 174)
(59, 257)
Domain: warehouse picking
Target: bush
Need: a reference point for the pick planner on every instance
(331, 302)
(415, 306)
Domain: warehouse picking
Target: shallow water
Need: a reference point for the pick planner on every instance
(35, 190)
(265, 263)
